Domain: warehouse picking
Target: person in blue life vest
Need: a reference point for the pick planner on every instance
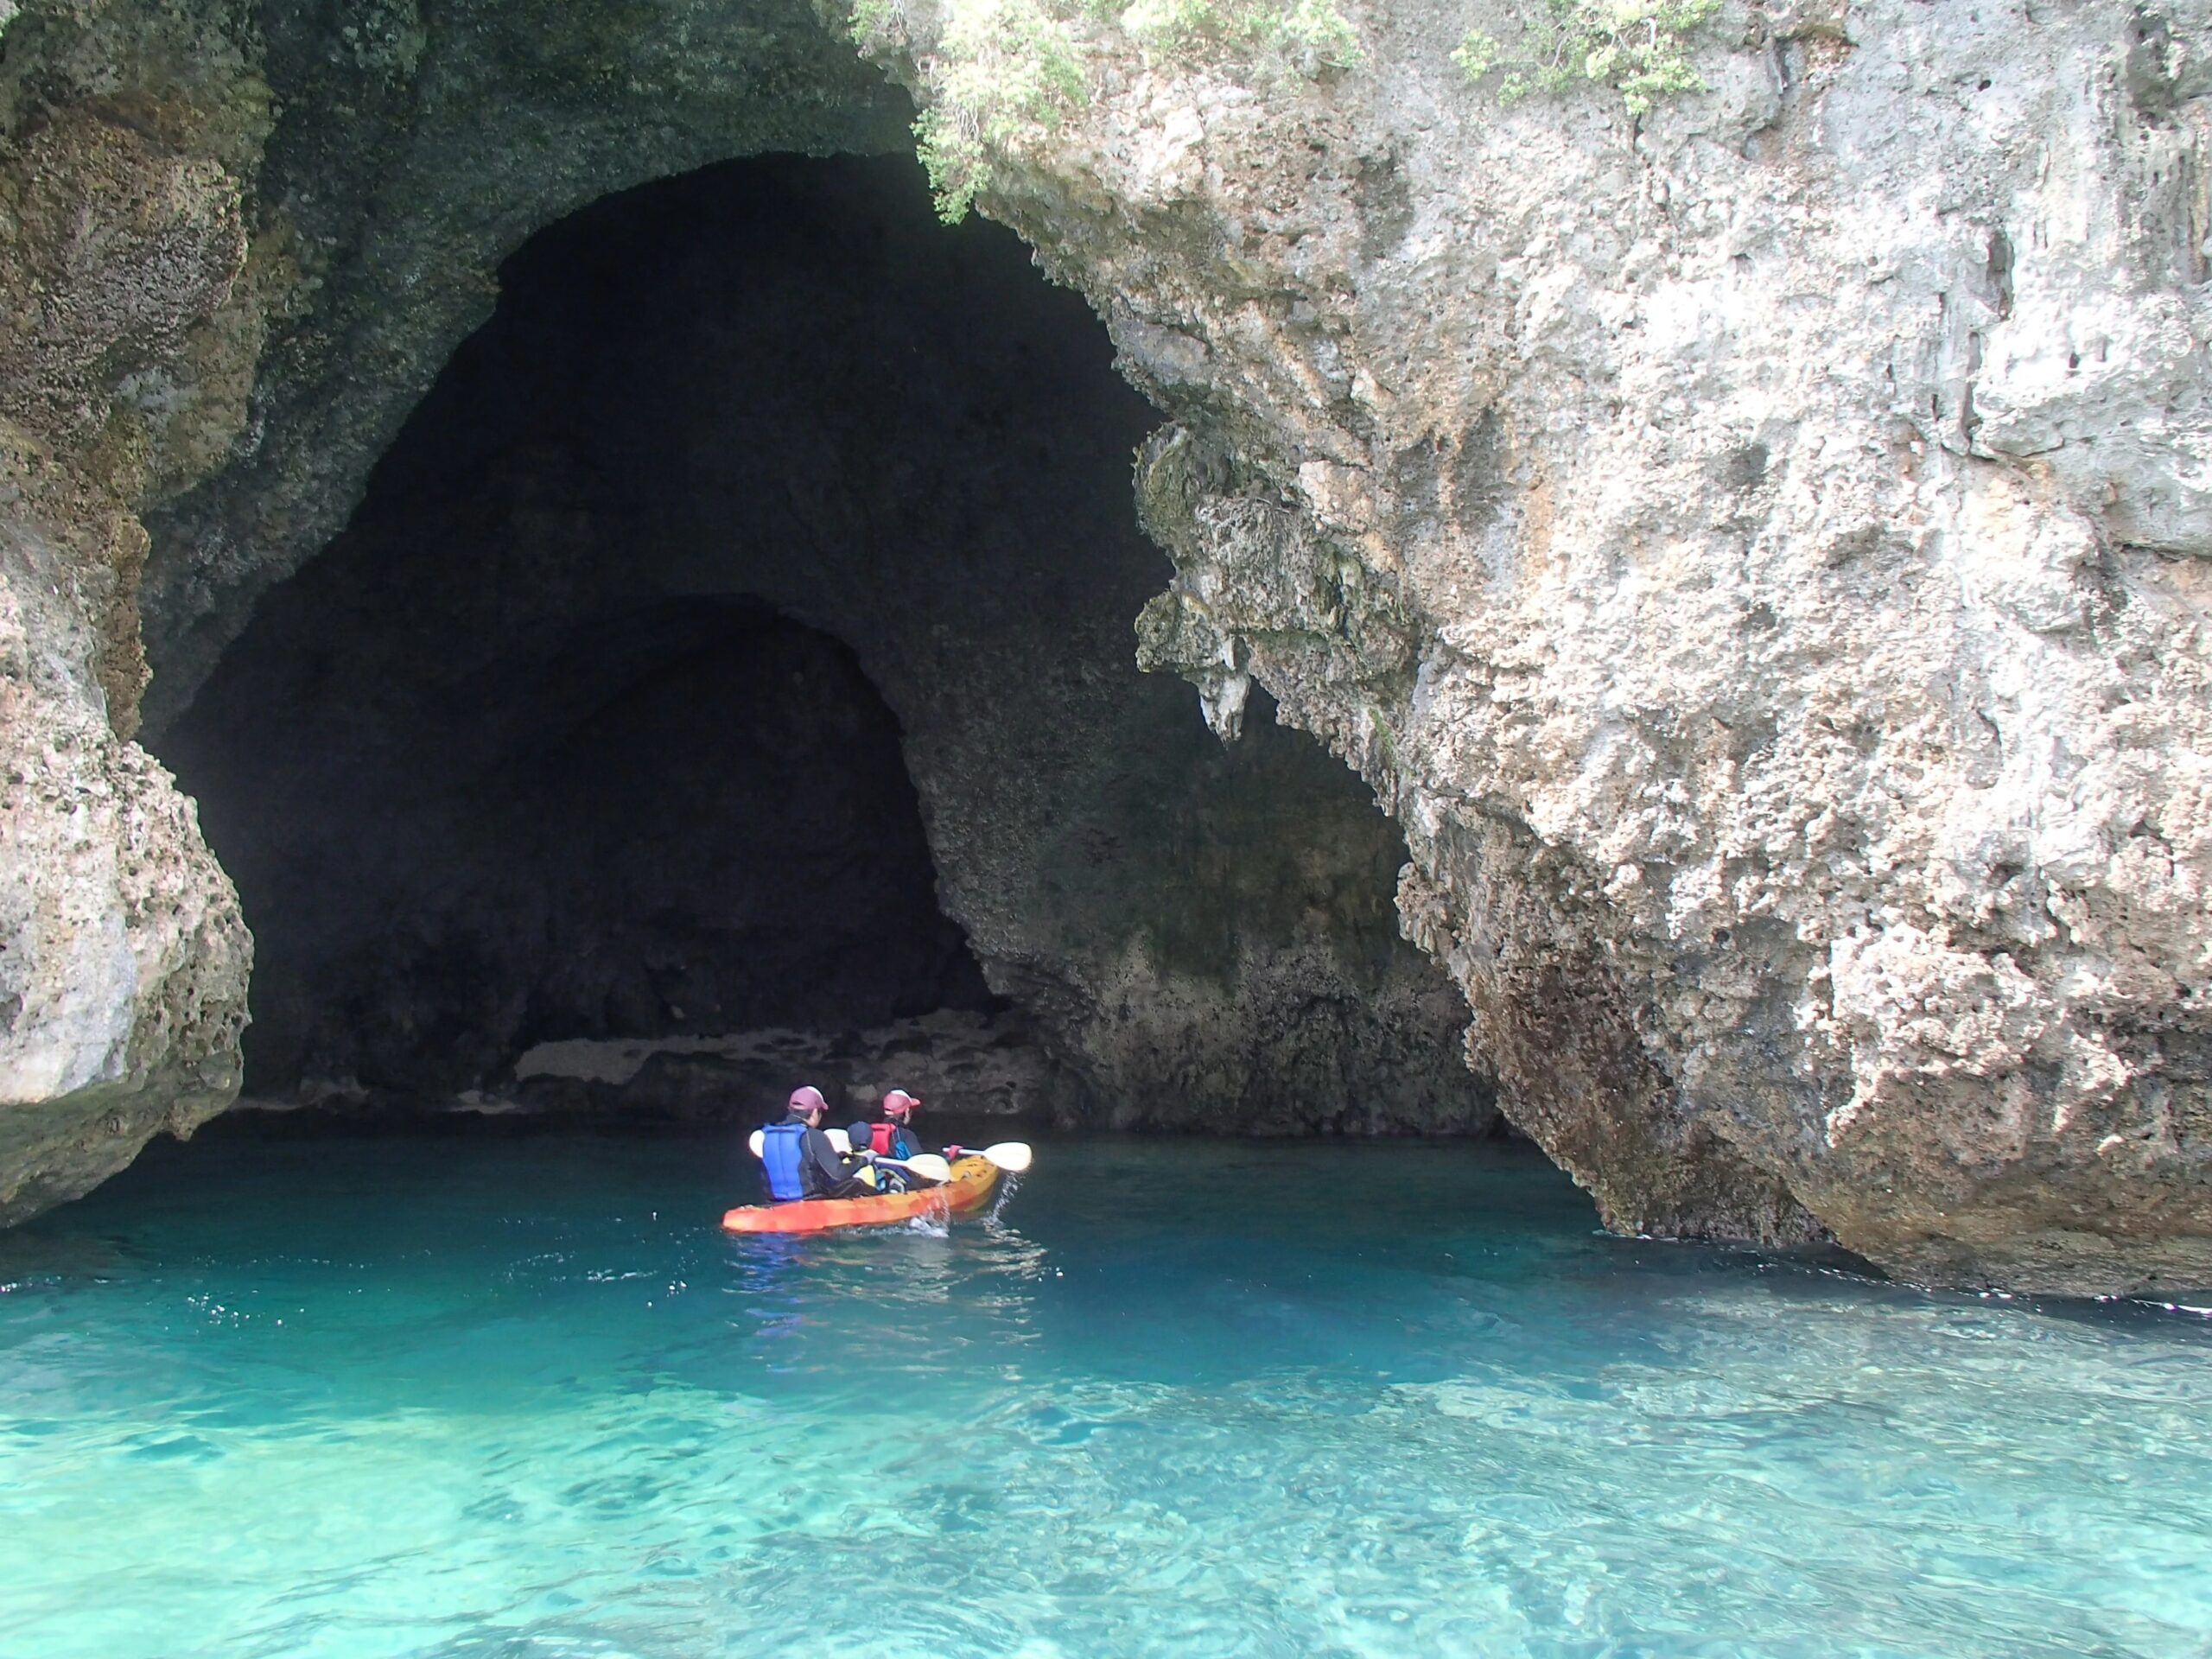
(802, 1161)
(895, 1137)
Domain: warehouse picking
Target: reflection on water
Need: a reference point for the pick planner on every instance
(522, 1398)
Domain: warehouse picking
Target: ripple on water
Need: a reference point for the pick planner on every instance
(524, 1399)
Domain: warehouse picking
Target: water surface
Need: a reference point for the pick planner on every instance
(522, 1398)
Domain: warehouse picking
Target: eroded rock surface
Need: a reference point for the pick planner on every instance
(129, 323)
(123, 982)
(1759, 548)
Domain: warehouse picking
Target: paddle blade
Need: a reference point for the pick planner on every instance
(756, 1140)
(930, 1166)
(839, 1140)
(1012, 1156)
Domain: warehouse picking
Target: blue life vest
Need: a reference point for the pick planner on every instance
(783, 1155)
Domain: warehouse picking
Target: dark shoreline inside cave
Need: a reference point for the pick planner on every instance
(253, 1119)
(432, 1122)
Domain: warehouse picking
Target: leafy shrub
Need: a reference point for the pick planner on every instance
(1005, 69)
(1636, 46)
(1312, 36)
(1009, 67)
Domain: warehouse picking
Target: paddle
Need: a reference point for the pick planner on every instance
(1012, 1156)
(927, 1164)
(838, 1139)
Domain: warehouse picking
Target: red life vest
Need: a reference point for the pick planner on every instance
(879, 1137)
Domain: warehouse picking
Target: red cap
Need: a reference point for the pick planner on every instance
(899, 1103)
(808, 1098)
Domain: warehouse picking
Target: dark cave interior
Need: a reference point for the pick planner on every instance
(749, 599)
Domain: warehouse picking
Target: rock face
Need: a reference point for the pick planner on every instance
(1757, 549)
(123, 984)
(128, 328)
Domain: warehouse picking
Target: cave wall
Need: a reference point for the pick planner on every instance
(226, 272)
(225, 276)
(412, 149)
(784, 383)
(295, 213)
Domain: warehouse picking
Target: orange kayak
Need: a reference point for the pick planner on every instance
(968, 1189)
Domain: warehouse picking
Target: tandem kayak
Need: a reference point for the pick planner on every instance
(966, 1191)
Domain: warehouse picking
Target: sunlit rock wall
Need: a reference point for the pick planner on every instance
(1758, 548)
(130, 319)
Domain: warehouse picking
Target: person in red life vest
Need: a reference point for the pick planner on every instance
(803, 1162)
(894, 1136)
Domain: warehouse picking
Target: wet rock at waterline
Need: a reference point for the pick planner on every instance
(1753, 546)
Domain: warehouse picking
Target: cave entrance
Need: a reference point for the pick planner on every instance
(536, 785)
(735, 643)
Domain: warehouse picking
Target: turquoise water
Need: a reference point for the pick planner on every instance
(521, 1398)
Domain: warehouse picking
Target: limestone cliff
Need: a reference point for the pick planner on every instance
(130, 319)
(1758, 548)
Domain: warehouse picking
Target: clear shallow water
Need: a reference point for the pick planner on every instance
(522, 1398)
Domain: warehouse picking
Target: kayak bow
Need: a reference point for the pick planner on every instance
(968, 1189)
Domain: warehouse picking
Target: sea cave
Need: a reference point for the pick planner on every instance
(1503, 707)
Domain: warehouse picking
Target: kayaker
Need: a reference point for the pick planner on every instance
(803, 1162)
(893, 1138)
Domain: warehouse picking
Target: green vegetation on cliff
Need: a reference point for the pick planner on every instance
(1636, 46)
(999, 71)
